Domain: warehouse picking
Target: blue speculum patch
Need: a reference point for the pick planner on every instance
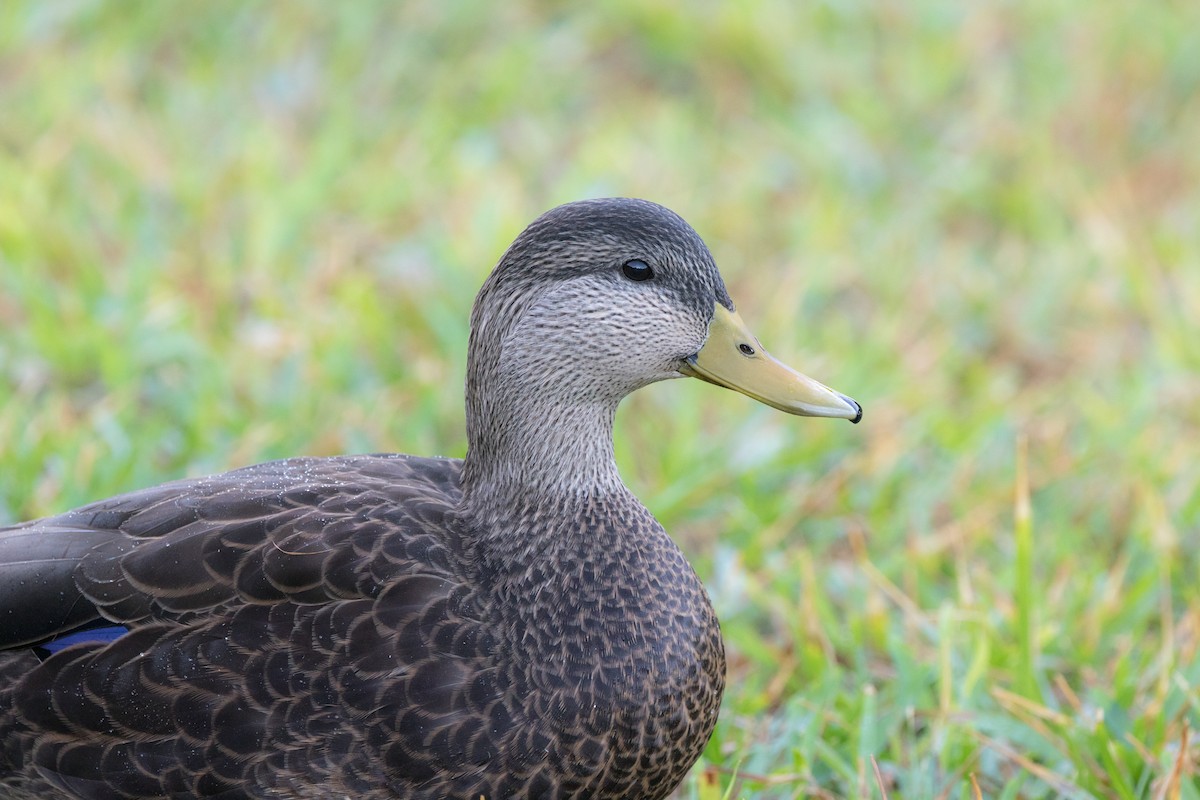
(101, 635)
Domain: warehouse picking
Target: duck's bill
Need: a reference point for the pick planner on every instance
(733, 358)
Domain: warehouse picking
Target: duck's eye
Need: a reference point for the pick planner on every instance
(637, 270)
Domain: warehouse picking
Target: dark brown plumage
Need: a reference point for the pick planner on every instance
(515, 625)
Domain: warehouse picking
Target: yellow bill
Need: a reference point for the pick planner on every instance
(733, 358)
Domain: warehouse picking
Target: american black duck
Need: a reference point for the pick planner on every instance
(515, 624)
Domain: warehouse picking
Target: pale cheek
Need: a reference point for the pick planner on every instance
(620, 345)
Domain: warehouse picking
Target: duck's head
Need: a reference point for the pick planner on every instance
(594, 300)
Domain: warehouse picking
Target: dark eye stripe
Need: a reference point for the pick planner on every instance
(637, 270)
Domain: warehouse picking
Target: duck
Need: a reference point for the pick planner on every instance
(513, 624)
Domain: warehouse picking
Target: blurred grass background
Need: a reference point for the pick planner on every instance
(235, 231)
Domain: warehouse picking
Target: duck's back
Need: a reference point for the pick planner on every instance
(329, 627)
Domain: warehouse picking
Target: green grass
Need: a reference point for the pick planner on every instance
(234, 231)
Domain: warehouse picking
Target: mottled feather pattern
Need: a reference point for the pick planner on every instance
(338, 654)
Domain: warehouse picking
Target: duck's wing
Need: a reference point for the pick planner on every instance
(308, 530)
(292, 626)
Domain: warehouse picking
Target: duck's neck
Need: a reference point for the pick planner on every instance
(525, 444)
(539, 423)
